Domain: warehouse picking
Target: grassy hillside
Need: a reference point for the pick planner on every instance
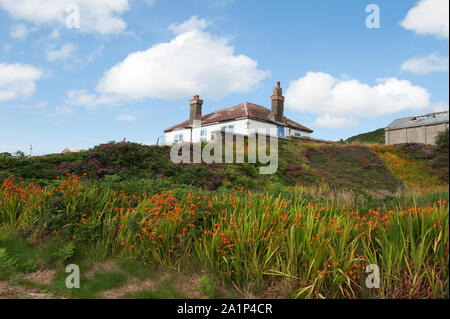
(141, 227)
(416, 164)
(374, 137)
(138, 168)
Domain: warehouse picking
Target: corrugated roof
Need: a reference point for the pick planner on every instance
(413, 121)
(243, 110)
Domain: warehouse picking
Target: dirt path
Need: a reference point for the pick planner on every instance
(8, 291)
(184, 284)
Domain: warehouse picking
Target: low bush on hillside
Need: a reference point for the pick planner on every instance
(374, 137)
(352, 167)
(416, 164)
(442, 139)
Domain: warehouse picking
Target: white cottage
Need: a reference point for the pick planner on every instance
(243, 119)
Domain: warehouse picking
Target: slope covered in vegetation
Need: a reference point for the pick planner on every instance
(374, 137)
(307, 231)
(417, 164)
(149, 168)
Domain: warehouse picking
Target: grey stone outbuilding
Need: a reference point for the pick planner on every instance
(417, 129)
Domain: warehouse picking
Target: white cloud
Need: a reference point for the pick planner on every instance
(54, 35)
(19, 31)
(150, 3)
(194, 62)
(41, 104)
(333, 122)
(98, 16)
(83, 98)
(337, 101)
(17, 81)
(426, 65)
(37, 105)
(62, 113)
(126, 118)
(222, 3)
(429, 17)
(65, 52)
(193, 24)
(439, 107)
(96, 53)
(7, 48)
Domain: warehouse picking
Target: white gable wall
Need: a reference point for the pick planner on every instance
(169, 137)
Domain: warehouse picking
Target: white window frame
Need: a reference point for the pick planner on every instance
(227, 128)
(204, 135)
(178, 138)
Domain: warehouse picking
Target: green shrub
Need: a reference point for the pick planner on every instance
(442, 138)
(16, 251)
(66, 252)
(7, 263)
(207, 287)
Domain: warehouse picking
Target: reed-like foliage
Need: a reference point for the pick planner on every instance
(255, 241)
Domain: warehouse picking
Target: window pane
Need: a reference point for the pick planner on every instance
(281, 131)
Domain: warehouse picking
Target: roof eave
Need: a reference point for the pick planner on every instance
(388, 128)
(304, 129)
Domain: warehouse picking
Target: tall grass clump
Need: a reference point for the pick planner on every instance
(257, 242)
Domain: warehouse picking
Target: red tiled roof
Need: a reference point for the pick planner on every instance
(243, 110)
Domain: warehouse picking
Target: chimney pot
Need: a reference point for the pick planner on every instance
(278, 84)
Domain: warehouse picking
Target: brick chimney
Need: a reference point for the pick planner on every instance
(196, 109)
(277, 103)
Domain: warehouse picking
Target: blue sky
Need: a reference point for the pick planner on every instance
(131, 67)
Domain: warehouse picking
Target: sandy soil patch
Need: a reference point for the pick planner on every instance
(133, 285)
(105, 266)
(8, 291)
(44, 277)
(188, 286)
